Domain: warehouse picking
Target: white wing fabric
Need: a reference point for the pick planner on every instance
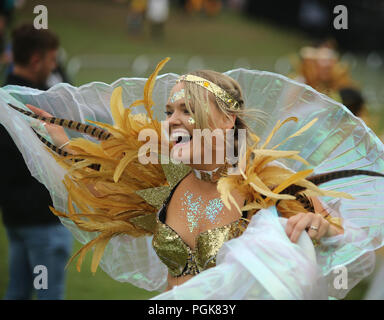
(337, 141)
(126, 259)
(261, 264)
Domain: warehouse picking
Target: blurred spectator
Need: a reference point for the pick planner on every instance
(314, 17)
(352, 99)
(320, 68)
(135, 18)
(59, 75)
(35, 235)
(157, 14)
(182, 3)
(192, 6)
(237, 5)
(34, 56)
(210, 7)
(6, 14)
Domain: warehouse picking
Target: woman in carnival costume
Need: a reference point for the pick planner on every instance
(321, 68)
(236, 227)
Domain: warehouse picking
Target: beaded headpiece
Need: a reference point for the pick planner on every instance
(213, 88)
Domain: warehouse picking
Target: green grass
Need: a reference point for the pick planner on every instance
(99, 27)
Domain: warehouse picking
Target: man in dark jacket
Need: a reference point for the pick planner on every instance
(39, 245)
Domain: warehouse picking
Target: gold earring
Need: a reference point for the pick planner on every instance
(191, 120)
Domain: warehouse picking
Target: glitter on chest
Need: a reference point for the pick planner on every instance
(196, 210)
(213, 209)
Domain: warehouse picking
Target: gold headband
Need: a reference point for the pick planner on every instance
(213, 88)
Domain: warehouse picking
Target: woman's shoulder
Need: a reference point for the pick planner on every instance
(183, 182)
(179, 186)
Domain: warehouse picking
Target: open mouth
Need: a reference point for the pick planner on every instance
(181, 137)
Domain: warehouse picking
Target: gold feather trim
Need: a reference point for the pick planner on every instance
(109, 201)
(262, 183)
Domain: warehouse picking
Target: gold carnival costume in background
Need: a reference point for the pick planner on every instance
(307, 69)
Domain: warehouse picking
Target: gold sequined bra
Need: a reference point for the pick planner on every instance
(179, 257)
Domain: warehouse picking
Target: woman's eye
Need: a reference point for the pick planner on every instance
(169, 113)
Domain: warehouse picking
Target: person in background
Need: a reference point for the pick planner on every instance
(211, 7)
(36, 237)
(59, 74)
(319, 67)
(6, 15)
(157, 14)
(135, 18)
(34, 57)
(353, 100)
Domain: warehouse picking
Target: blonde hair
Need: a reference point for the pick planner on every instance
(199, 98)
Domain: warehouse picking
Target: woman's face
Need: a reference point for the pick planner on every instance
(187, 144)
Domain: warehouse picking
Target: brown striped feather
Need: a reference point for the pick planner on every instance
(57, 150)
(93, 131)
(61, 152)
(323, 178)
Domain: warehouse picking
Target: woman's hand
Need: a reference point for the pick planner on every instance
(315, 224)
(56, 132)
